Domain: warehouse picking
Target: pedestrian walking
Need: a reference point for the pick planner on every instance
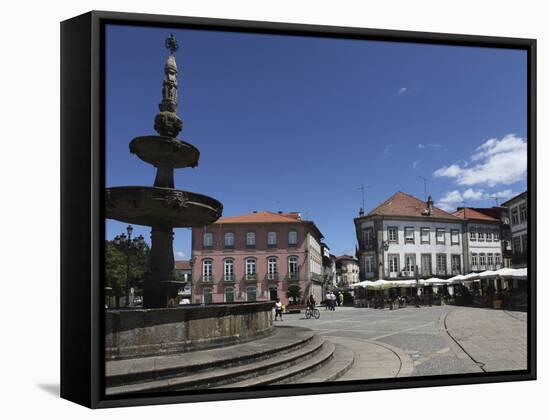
(278, 309)
(340, 299)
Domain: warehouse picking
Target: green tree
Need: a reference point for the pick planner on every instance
(294, 292)
(116, 265)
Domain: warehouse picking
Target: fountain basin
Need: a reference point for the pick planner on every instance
(156, 206)
(165, 151)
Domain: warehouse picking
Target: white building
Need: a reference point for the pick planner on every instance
(405, 238)
(482, 240)
(518, 224)
(347, 271)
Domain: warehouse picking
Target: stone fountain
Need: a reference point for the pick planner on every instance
(162, 206)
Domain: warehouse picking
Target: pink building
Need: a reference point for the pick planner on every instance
(256, 257)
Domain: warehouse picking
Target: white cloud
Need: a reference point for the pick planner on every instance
(495, 162)
(415, 164)
(402, 90)
(427, 145)
(179, 254)
(387, 149)
(452, 199)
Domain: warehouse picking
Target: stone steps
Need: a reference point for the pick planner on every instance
(290, 355)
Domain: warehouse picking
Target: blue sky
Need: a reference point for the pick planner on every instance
(298, 124)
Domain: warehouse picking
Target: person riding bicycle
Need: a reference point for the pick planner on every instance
(311, 302)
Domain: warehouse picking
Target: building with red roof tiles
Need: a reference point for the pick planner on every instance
(256, 257)
(484, 247)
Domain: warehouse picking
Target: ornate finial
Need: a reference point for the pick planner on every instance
(167, 122)
(171, 44)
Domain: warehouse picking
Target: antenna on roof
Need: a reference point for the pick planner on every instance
(425, 189)
(496, 198)
(363, 188)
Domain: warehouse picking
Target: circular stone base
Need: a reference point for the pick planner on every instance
(154, 206)
(165, 151)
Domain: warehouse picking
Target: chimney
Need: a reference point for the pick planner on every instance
(361, 211)
(279, 212)
(430, 206)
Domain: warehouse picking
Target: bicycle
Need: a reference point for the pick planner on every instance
(312, 313)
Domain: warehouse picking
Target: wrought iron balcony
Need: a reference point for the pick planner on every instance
(207, 279)
(228, 278)
(272, 276)
(251, 277)
(292, 277)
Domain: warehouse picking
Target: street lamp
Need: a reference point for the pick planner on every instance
(128, 245)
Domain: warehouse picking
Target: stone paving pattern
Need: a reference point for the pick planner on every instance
(424, 341)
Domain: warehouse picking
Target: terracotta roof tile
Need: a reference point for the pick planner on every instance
(403, 204)
(262, 217)
(467, 213)
(183, 265)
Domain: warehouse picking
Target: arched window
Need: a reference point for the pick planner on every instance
(251, 293)
(250, 268)
(292, 238)
(293, 267)
(207, 271)
(207, 296)
(272, 268)
(228, 269)
(229, 295)
(229, 240)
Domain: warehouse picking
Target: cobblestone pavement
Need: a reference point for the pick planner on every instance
(424, 341)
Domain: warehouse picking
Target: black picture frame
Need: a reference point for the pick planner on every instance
(82, 204)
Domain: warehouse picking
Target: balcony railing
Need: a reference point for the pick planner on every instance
(207, 279)
(228, 278)
(292, 277)
(252, 277)
(272, 276)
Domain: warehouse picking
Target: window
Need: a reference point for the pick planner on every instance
(497, 261)
(489, 261)
(440, 236)
(441, 262)
(250, 239)
(250, 294)
(369, 264)
(272, 268)
(473, 259)
(524, 243)
(229, 295)
(455, 264)
(523, 213)
(393, 263)
(515, 217)
(455, 237)
(207, 270)
(425, 235)
(426, 265)
(516, 243)
(473, 235)
(410, 262)
(293, 265)
(480, 235)
(229, 240)
(392, 234)
(482, 261)
(271, 239)
(488, 236)
(496, 236)
(250, 268)
(207, 240)
(368, 237)
(228, 270)
(409, 235)
(207, 296)
(292, 238)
